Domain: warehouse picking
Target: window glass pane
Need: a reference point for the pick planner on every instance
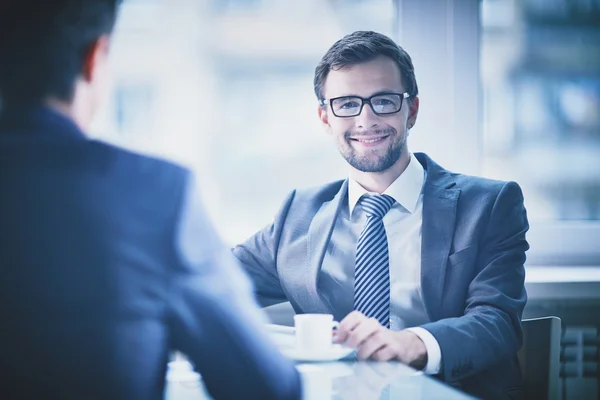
(540, 68)
(226, 86)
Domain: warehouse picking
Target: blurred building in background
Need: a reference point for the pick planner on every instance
(540, 70)
(510, 89)
(226, 87)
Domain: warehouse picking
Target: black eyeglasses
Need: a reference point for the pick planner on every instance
(381, 104)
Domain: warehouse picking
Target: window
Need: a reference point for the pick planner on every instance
(228, 90)
(540, 70)
(226, 87)
(541, 81)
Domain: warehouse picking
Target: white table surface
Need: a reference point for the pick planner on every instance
(368, 380)
(340, 380)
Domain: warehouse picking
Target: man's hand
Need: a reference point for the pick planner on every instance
(381, 344)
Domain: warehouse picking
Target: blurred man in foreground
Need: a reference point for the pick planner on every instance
(101, 274)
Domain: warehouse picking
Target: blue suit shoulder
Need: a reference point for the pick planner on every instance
(478, 184)
(321, 193)
(476, 187)
(129, 164)
(309, 200)
(470, 186)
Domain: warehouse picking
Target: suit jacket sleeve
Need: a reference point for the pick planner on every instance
(215, 320)
(490, 328)
(258, 256)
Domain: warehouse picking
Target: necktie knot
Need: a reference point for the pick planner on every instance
(377, 205)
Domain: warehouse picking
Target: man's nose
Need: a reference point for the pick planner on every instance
(367, 119)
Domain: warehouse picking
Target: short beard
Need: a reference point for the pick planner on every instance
(383, 163)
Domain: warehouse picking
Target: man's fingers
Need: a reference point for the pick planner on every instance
(351, 320)
(385, 353)
(373, 343)
(362, 331)
(347, 325)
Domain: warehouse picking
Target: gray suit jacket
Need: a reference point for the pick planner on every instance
(472, 274)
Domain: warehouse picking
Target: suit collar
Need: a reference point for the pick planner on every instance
(37, 119)
(437, 177)
(440, 201)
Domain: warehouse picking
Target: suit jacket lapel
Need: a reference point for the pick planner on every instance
(319, 234)
(439, 215)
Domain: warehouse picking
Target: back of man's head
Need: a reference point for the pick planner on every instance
(44, 45)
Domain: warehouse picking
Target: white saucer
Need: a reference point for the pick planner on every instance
(335, 352)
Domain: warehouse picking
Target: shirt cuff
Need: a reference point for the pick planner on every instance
(434, 353)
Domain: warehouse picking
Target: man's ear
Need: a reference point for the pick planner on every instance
(95, 56)
(413, 111)
(324, 117)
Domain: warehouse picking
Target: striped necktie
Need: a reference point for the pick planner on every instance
(372, 268)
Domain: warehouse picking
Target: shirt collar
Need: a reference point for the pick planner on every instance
(406, 189)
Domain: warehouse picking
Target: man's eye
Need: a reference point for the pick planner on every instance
(349, 104)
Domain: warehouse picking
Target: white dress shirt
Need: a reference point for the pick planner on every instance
(403, 228)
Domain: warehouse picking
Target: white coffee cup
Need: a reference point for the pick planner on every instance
(314, 331)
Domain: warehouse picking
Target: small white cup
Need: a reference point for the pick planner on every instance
(314, 331)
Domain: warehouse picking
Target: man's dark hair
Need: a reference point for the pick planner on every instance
(44, 43)
(360, 47)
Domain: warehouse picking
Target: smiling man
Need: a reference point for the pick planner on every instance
(420, 265)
